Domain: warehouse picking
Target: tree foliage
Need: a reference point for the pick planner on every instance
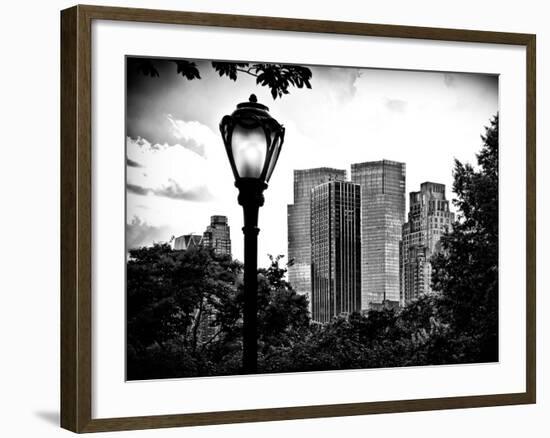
(277, 77)
(466, 272)
(184, 312)
(170, 295)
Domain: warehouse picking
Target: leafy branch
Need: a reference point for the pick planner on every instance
(277, 77)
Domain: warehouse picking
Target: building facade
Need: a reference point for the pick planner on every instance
(382, 216)
(428, 219)
(335, 250)
(187, 241)
(217, 235)
(299, 225)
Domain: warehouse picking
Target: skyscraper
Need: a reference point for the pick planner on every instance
(429, 218)
(382, 216)
(217, 235)
(335, 250)
(299, 218)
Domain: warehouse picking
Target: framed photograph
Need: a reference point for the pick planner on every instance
(270, 219)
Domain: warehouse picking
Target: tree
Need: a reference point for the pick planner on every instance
(184, 312)
(283, 317)
(466, 271)
(171, 297)
(277, 77)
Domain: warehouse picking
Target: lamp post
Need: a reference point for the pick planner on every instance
(253, 141)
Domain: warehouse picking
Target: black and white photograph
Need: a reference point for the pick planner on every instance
(285, 218)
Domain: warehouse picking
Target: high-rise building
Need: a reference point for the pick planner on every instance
(217, 235)
(335, 250)
(382, 216)
(299, 231)
(187, 241)
(429, 218)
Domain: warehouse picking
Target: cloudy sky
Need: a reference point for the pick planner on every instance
(177, 169)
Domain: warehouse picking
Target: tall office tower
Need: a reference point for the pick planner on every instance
(382, 216)
(217, 235)
(187, 241)
(335, 250)
(429, 218)
(299, 218)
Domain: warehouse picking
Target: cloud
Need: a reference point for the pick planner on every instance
(340, 83)
(193, 135)
(396, 105)
(139, 233)
(137, 190)
(177, 172)
(164, 129)
(173, 191)
(132, 163)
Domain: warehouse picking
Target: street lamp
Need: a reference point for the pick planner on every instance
(253, 141)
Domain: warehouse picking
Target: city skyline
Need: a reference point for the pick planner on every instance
(383, 259)
(308, 179)
(177, 171)
(301, 207)
(349, 228)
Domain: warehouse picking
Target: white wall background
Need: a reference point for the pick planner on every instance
(29, 215)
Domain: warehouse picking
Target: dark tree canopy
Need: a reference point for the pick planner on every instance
(277, 77)
(170, 297)
(466, 272)
(184, 312)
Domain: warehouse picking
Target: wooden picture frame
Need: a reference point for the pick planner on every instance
(76, 218)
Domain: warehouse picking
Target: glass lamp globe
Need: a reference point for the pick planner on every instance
(253, 141)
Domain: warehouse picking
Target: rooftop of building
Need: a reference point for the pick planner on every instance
(218, 219)
(427, 184)
(378, 163)
(432, 189)
(318, 170)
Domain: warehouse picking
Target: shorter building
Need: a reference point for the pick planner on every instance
(335, 250)
(299, 225)
(217, 235)
(429, 218)
(187, 241)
